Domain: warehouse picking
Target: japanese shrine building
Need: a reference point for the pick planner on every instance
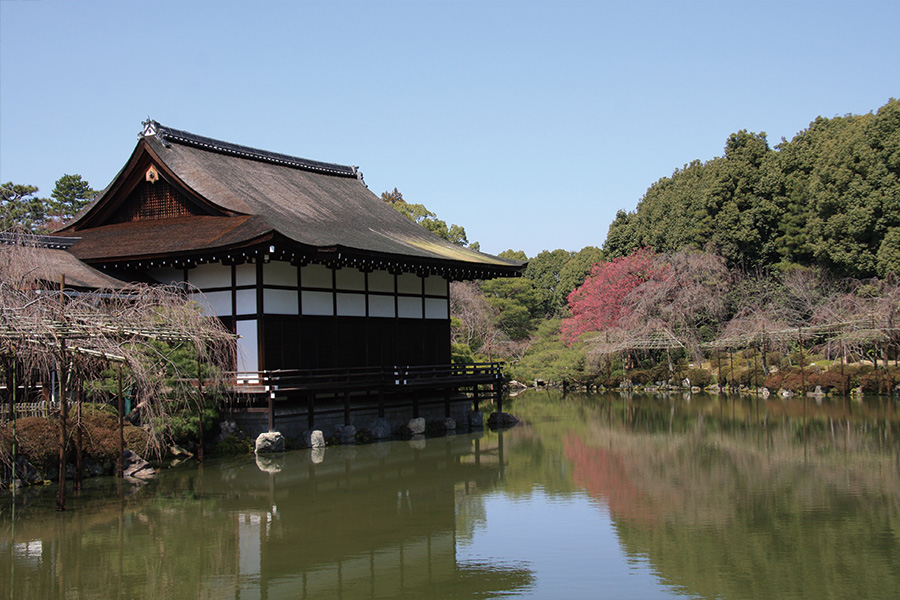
(299, 258)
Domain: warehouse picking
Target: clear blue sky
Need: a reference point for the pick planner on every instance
(528, 123)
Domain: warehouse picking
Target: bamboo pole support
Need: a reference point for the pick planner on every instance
(120, 461)
(63, 416)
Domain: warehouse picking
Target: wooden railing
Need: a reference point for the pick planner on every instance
(354, 378)
(347, 383)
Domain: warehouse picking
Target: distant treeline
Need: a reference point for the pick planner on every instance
(723, 253)
(830, 198)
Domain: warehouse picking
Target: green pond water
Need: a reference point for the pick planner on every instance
(591, 496)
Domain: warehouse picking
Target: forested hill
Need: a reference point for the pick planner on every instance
(829, 197)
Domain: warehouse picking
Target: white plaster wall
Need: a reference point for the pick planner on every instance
(381, 281)
(409, 283)
(280, 273)
(316, 276)
(435, 285)
(409, 308)
(381, 306)
(318, 303)
(280, 302)
(247, 357)
(210, 276)
(437, 308)
(246, 302)
(245, 274)
(351, 279)
(214, 303)
(351, 305)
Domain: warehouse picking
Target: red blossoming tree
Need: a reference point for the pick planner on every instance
(599, 303)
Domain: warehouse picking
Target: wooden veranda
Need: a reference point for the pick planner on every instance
(330, 392)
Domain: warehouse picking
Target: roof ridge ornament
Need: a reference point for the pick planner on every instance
(153, 129)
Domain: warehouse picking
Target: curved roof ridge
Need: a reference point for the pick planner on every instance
(167, 135)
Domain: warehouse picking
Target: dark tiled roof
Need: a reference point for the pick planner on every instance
(167, 134)
(312, 204)
(50, 260)
(154, 239)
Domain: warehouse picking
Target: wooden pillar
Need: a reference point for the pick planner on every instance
(731, 366)
(200, 399)
(271, 411)
(79, 439)
(802, 368)
(498, 394)
(346, 408)
(63, 416)
(447, 403)
(12, 417)
(120, 462)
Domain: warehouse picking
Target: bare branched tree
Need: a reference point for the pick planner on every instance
(46, 330)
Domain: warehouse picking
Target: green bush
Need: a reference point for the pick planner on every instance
(699, 377)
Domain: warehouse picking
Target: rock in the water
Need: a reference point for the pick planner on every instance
(501, 419)
(476, 419)
(313, 438)
(26, 472)
(226, 429)
(317, 439)
(448, 424)
(347, 434)
(416, 426)
(270, 441)
(135, 466)
(380, 429)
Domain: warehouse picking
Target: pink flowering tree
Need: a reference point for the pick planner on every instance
(599, 303)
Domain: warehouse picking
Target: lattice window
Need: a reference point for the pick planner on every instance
(151, 201)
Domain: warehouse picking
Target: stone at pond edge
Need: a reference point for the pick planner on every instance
(448, 424)
(416, 426)
(380, 429)
(135, 466)
(314, 438)
(347, 434)
(501, 419)
(476, 419)
(26, 473)
(227, 429)
(270, 441)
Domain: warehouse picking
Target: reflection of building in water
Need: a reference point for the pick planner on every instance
(376, 521)
(395, 533)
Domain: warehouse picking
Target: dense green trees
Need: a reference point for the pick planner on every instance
(501, 318)
(22, 209)
(70, 194)
(427, 219)
(830, 197)
(745, 248)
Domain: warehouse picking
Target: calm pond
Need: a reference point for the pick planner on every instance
(598, 496)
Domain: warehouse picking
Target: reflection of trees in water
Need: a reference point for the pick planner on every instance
(367, 522)
(730, 499)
